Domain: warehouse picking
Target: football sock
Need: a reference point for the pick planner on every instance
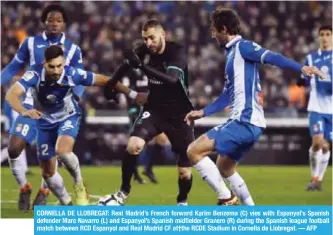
(239, 187)
(18, 171)
(322, 165)
(56, 185)
(314, 162)
(72, 165)
(184, 186)
(128, 167)
(210, 173)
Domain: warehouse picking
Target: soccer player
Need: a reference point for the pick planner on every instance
(159, 145)
(165, 64)
(58, 117)
(23, 131)
(320, 108)
(242, 91)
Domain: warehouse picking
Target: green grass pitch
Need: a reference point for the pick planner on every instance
(269, 185)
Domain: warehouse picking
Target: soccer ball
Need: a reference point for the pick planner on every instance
(109, 200)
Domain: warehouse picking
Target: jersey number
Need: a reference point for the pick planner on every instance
(25, 130)
(45, 147)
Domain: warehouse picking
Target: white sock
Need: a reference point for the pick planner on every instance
(314, 163)
(239, 187)
(4, 154)
(17, 171)
(72, 165)
(322, 164)
(56, 185)
(43, 183)
(210, 173)
(23, 160)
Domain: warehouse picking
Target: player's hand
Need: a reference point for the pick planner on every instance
(32, 113)
(311, 70)
(193, 115)
(141, 98)
(133, 59)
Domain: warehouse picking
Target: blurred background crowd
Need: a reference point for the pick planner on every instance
(104, 29)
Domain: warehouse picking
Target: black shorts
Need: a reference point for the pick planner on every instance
(150, 124)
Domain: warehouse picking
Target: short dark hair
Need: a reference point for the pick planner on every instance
(151, 24)
(325, 27)
(53, 52)
(51, 8)
(227, 18)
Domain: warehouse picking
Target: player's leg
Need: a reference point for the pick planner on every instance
(181, 136)
(133, 113)
(316, 127)
(326, 153)
(234, 141)
(143, 131)
(22, 133)
(67, 133)
(148, 160)
(198, 152)
(46, 141)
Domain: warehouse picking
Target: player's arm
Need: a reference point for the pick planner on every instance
(174, 71)
(303, 80)
(254, 52)
(219, 104)
(14, 94)
(17, 63)
(77, 62)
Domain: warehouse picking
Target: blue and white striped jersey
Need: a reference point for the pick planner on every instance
(32, 51)
(321, 90)
(55, 98)
(242, 82)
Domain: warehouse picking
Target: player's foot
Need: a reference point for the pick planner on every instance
(119, 197)
(139, 180)
(41, 197)
(151, 176)
(24, 197)
(314, 185)
(182, 204)
(228, 202)
(81, 194)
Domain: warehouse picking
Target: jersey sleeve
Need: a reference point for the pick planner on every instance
(252, 51)
(82, 77)
(29, 79)
(307, 62)
(22, 54)
(76, 60)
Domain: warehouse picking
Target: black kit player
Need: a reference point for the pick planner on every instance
(165, 65)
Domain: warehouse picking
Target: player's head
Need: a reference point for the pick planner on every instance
(325, 37)
(54, 18)
(153, 36)
(224, 22)
(54, 62)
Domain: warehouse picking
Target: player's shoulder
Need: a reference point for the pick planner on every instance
(33, 73)
(244, 43)
(174, 46)
(74, 72)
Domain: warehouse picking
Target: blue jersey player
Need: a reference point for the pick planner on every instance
(246, 122)
(320, 108)
(23, 130)
(58, 117)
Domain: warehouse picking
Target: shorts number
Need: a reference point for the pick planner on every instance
(45, 147)
(25, 130)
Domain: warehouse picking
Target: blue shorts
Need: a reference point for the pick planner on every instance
(234, 138)
(48, 134)
(25, 128)
(321, 124)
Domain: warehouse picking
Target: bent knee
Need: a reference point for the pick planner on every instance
(135, 145)
(14, 151)
(184, 172)
(60, 151)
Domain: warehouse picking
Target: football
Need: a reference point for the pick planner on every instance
(109, 200)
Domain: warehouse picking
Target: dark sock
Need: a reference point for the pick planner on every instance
(149, 152)
(128, 168)
(184, 186)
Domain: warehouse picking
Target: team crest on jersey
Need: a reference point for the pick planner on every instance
(67, 125)
(51, 98)
(146, 59)
(315, 127)
(28, 75)
(18, 127)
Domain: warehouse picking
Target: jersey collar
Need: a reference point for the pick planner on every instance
(233, 41)
(62, 40)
